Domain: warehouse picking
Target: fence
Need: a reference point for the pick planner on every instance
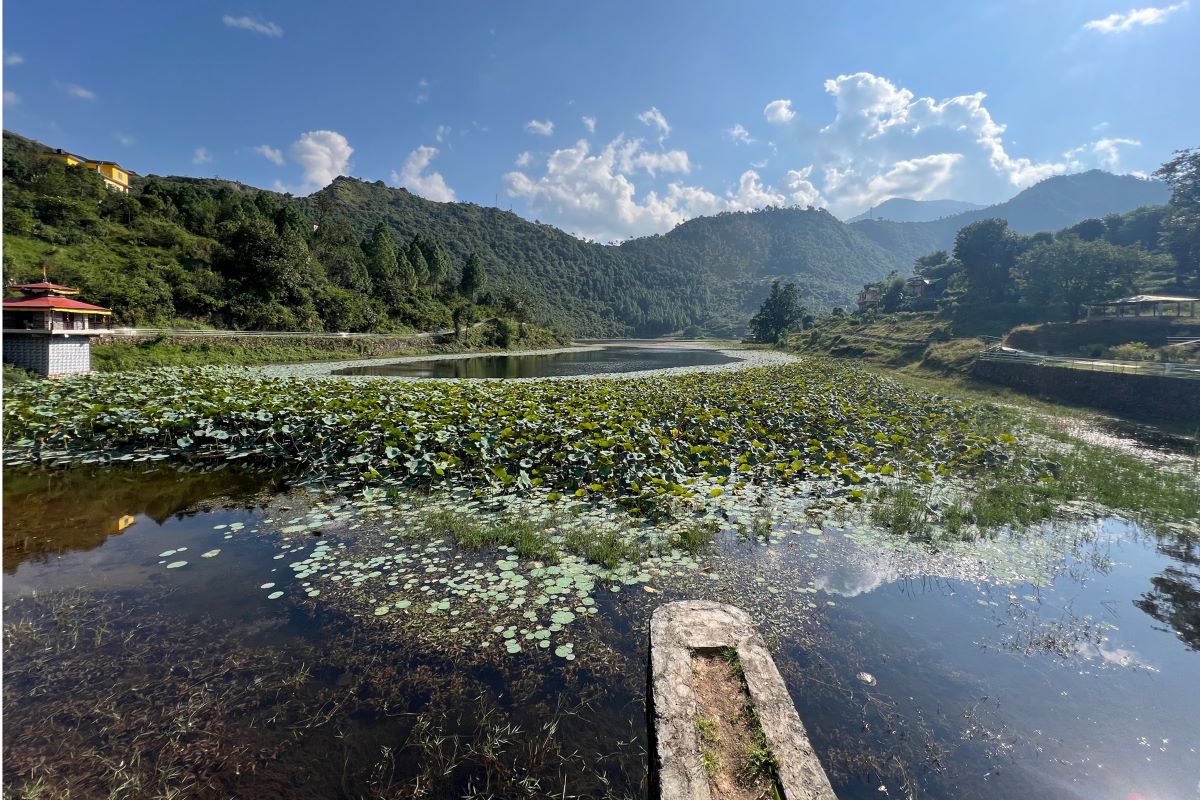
(1168, 369)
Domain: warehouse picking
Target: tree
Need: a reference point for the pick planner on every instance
(1073, 272)
(420, 267)
(778, 313)
(473, 277)
(1181, 227)
(439, 266)
(891, 292)
(987, 250)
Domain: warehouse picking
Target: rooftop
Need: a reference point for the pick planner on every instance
(53, 303)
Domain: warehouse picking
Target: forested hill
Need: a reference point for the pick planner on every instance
(363, 256)
(1050, 205)
(738, 255)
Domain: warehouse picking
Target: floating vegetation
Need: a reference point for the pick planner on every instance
(654, 445)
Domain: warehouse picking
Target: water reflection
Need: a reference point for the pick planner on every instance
(52, 512)
(1174, 597)
(584, 362)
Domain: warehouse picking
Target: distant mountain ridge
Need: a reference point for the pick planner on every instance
(1050, 205)
(902, 209)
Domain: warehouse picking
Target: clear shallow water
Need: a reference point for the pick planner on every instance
(582, 362)
(1081, 687)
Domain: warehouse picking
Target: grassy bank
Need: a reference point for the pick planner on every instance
(165, 351)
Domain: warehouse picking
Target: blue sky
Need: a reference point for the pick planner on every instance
(614, 119)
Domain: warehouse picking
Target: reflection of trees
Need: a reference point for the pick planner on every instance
(59, 511)
(1174, 599)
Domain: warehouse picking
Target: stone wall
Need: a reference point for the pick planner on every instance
(70, 354)
(1150, 397)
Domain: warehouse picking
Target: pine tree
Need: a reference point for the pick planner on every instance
(473, 277)
(419, 265)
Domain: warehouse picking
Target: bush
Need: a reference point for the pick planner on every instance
(1133, 351)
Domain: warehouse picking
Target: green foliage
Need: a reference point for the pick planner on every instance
(987, 250)
(780, 312)
(1072, 271)
(1181, 227)
(473, 277)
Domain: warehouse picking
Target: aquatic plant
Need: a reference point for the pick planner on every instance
(652, 444)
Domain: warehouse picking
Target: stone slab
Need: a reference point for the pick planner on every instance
(676, 629)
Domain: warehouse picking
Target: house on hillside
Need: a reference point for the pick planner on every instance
(920, 292)
(868, 298)
(115, 177)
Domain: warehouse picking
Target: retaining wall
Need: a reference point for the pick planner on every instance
(1151, 397)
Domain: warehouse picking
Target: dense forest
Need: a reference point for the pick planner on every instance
(361, 256)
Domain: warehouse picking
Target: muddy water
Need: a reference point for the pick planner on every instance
(1062, 666)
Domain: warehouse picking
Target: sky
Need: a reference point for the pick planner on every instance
(613, 120)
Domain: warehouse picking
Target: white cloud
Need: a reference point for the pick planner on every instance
(413, 176)
(11, 98)
(201, 156)
(254, 25)
(75, 90)
(422, 91)
(524, 159)
(125, 139)
(1102, 152)
(800, 190)
(12, 59)
(1099, 126)
(594, 194)
(779, 112)
(540, 127)
(589, 123)
(272, 154)
(442, 133)
(1134, 18)
(884, 141)
(323, 155)
(669, 161)
(740, 135)
(654, 118)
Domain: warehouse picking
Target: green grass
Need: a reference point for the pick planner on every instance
(528, 539)
(696, 538)
(607, 548)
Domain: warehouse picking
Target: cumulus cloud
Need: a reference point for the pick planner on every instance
(540, 127)
(1121, 22)
(800, 190)
(595, 193)
(524, 159)
(272, 154)
(75, 90)
(269, 29)
(323, 155)
(413, 176)
(886, 141)
(11, 98)
(779, 112)
(1102, 152)
(655, 119)
(589, 123)
(740, 135)
(201, 156)
(12, 59)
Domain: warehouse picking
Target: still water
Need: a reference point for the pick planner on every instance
(580, 362)
(227, 675)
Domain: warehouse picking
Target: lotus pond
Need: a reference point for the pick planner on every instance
(219, 582)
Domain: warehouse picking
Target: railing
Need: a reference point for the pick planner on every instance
(1167, 369)
(268, 334)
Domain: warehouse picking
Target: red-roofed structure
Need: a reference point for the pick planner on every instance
(49, 333)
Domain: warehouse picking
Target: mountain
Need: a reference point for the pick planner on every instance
(1050, 205)
(228, 254)
(901, 209)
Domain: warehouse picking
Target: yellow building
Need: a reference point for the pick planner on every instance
(114, 176)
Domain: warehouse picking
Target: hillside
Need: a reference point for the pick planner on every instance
(902, 209)
(358, 255)
(1052, 204)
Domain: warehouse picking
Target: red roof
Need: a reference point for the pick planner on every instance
(45, 286)
(53, 303)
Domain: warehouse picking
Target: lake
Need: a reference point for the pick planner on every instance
(576, 362)
(206, 603)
